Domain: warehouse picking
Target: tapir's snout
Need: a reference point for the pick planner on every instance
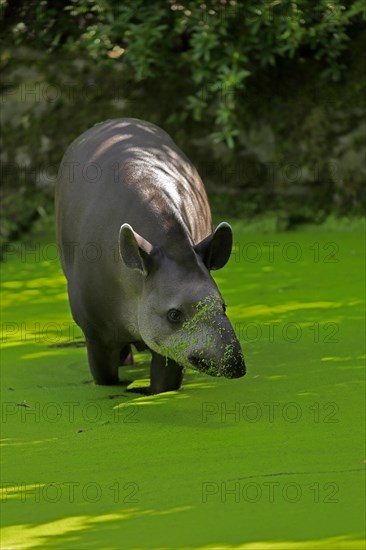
(231, 367)
(235, 367)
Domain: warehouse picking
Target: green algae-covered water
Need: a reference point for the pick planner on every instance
(271, 461)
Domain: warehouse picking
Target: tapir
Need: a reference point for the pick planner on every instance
(136, 243)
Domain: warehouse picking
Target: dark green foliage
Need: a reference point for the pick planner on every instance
(214, 47)
(267, 99)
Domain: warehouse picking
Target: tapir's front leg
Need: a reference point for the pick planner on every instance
(103, 362)
(165, 374)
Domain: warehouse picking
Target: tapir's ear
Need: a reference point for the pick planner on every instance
(134, 249)
(215, 249)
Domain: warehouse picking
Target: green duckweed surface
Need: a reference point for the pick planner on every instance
(271, 461)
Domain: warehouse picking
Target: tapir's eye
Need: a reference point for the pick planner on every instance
(175, 316)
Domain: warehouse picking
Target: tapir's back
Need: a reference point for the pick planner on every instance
(129, 171)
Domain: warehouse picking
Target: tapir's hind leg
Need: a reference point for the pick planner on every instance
(126, 356)
(103, 362)
(165, 374)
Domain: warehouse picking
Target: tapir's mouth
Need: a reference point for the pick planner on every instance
(208, 367)
(238, 371)
(234, 369)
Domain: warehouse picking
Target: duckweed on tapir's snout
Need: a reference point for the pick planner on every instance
(206, 341)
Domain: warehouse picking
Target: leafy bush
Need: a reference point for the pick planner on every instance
(211, 48)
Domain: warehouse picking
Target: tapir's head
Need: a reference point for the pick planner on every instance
(181, 313)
